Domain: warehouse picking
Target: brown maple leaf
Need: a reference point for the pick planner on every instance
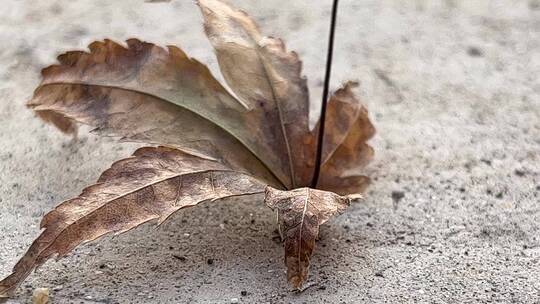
(211, 144)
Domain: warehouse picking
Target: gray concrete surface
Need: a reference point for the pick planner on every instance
(452, 217)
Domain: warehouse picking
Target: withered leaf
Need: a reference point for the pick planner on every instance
(212, 143)
(345, 149)
(144, 118)
(169, 75)
(151, 185)
(301, 211)
(250, 60)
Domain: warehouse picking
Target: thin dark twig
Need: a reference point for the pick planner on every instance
(326, 87)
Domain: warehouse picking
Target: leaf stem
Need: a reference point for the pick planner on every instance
(330, 54)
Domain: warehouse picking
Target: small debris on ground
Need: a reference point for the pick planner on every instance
(179, 257)
(474, 52)
(519, 172)
(40, 296)
(397, 196)
(58, 287)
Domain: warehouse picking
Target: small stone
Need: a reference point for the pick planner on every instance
(107, 266)
(210, 261)
(474, 52)
(243, 293)
(519, 172)
(179, 257)
(397, 196)
(58, 287)
(276, 239)
(486, 161)
(40, 296)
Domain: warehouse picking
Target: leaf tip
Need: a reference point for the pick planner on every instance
(61, 122)
(297, 282)
(354, 196)
(6, 291)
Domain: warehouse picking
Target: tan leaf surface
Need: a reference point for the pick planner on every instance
(268, 78)
(172, 76)
(151, 185)
(144, 118)
(345, 148)
(301, 212)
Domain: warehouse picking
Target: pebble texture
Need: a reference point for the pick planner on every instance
(453, 215)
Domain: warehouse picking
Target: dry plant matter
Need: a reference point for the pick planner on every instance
(209, 143)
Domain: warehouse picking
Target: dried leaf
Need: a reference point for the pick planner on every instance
(172, 76)
(301, 212)
(345, 148)
(249, 60)
(144, 118)
(151, 185)
(217, 145)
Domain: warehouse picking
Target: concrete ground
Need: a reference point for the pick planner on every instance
(453, 215)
